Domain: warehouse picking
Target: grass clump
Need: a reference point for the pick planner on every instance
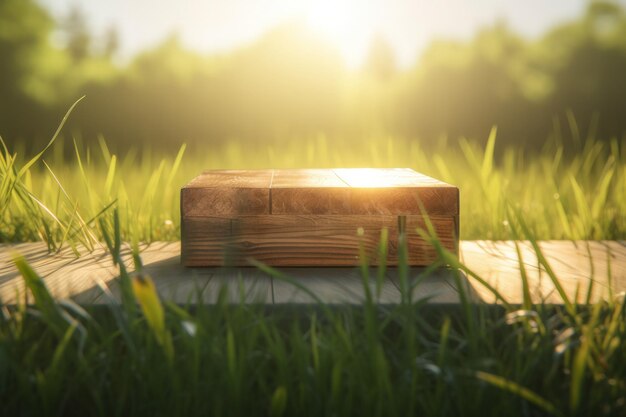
(245, 359)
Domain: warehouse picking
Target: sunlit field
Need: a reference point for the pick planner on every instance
(143, 357)
(521, 109)
(573, 191)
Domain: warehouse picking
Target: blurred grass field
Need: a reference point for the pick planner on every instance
(565, 191)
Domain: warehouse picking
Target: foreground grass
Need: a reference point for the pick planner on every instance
(144, 357)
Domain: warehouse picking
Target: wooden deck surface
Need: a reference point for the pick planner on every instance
(575, 263)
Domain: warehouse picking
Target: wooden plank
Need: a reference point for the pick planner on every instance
(306, 178)
(93, 279)
(361, 191)
(227, 192)
(421, 252)
(304, 185)
(206, 241)
(386, 178)
(233, 178)
(441, 286)
(308, 191)
(279, 240)
(204, 285)
(575, 263)
(405, 201)
(332, 286)
(399, 191)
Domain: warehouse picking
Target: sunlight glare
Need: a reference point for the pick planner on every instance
(347, 24)
(376, 178)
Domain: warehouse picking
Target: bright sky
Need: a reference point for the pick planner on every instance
(408, 25)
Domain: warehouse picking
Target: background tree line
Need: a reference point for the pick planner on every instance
(290, 84)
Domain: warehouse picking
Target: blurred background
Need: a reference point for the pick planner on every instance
(163, 73)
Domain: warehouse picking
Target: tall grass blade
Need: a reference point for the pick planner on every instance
(279, 402)
(176, 164)
(148, 299)
(50, 310)
(30, 163)
(487, 165)
(544, 262)
(108, 183)
(516, 389)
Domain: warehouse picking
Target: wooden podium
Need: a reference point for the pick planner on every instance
(313, 217)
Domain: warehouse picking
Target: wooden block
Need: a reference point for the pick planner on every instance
(419, 251)
(311, 217)
(398, 191)
(402, 201)
(307, 240)
(204, 240)
(228, 192)
(361, 191)
(308, 191)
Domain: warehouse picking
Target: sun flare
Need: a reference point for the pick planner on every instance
(347, 24)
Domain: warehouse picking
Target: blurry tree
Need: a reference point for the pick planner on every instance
(286, 83)
(24, 30)
(168, 62)
(575, 73)
(464, 89)
(380, 62)
(586, 60)
(289, 83)
(110, 42)
(76, 33)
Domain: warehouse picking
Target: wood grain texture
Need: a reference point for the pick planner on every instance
(305, 240)
(198, 241)
(308, 191)
(398, 191)
(233, 178)
(88, 279)
(358, 191)
(350, 191)
(577, 264)
(386, 177)
(405, 201)
(306, 178)
(227, 192)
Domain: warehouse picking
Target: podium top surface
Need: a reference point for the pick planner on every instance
(356, 191)
(315, 178)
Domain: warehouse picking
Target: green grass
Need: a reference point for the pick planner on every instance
(145, 357)
(563, 192)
